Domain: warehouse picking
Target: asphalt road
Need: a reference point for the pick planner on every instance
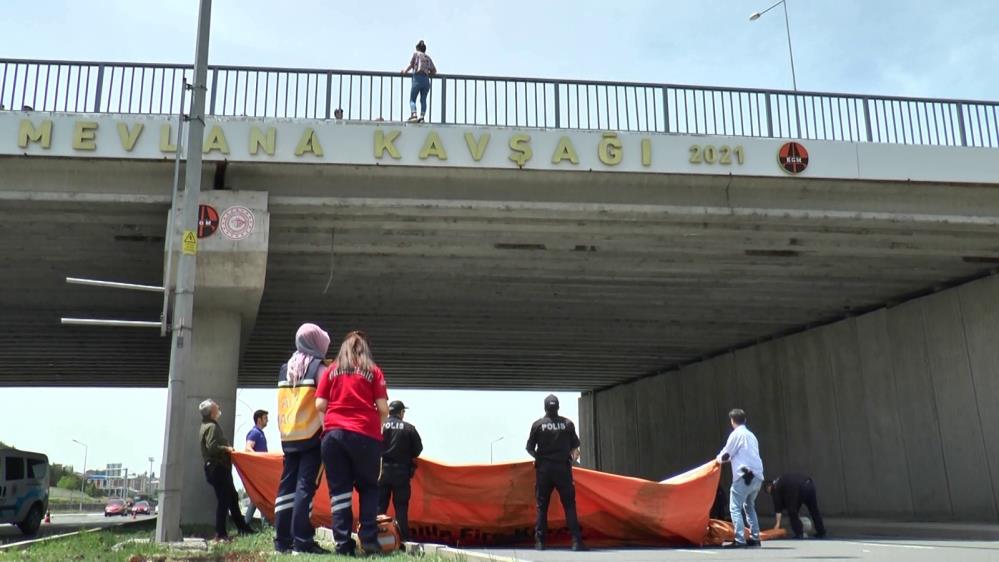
(880, 550)
(65, 523)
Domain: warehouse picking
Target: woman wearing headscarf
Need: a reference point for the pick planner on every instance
(301, 427)
(353, 395)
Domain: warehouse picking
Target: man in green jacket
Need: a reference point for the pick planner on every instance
(218, 470)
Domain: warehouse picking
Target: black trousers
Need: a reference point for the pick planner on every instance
(219, 475)
(351, 460)
(394, 485)
(548, 477)
(807, 496)
(293, 506)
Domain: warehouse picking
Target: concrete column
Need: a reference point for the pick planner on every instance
(231, 268)
(216, 369)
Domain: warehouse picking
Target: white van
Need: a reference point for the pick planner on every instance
(24, 489)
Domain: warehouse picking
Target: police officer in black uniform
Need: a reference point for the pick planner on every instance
(402, 446)
(555, 446)
(789, 492)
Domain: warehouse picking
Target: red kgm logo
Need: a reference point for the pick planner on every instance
(793, 157)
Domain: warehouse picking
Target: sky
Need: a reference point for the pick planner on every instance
(888, 47)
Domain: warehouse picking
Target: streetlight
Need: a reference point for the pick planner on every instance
(787, 27)
(149, 477)
(495, 441)
(84, 474)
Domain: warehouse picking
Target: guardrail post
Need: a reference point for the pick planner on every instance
(558, 107)
(867, 120)
(770, 119)
(960, 124)
(443, 118)
(329, 92)
(215, 83)
(100, 86)
(665, 110)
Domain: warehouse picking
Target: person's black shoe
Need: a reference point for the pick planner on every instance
(821, 535)
(539, 544)
(282, 549)
(734, 544)
(311, 549)
(753, 543)
(578, 546)
(374, 549)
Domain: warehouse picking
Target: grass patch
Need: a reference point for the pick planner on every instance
(98, 546)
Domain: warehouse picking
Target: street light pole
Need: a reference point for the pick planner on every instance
(149, 477)
(84, 473)
(172, 472)
(787, 27)
(491, 448)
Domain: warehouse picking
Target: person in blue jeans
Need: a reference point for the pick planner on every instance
(742, 450)
(423, 68)
(256, 442)
(301, 426)
(353, 395)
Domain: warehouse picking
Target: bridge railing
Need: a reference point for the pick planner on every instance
(106, 87)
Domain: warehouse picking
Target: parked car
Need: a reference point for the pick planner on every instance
(142, 508)
(24, 489)
(116, 507)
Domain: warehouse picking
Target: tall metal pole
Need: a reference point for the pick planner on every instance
(787, 27)
(84, 473)
(172, 471)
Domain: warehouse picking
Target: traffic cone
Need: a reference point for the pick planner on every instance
(48, 517)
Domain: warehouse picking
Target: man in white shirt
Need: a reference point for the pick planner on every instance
(743, 451)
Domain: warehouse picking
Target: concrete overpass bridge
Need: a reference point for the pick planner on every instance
(823, 260)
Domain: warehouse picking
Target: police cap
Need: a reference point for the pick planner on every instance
(397, 406)
(551, 401)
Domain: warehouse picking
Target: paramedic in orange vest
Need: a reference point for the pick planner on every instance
(301, 426)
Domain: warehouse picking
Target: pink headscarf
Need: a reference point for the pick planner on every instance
(312, 343)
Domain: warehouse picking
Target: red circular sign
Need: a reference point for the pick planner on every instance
(792, 157)
(208, 221)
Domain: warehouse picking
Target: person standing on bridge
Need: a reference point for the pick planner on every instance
(423, 68)
(743, 451)
(301, 426)
(353, 395)
(555, 446)
(402, 446)
(218, 470)
(256, 442)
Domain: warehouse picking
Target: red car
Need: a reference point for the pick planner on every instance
(115, 507)
(141, 508)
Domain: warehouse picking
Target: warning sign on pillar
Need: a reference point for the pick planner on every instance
(190, 243)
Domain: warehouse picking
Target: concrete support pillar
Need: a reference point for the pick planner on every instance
(231, 267)
(588, 453)
(216, 369)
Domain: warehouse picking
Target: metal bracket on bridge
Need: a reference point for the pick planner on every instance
(108, 322)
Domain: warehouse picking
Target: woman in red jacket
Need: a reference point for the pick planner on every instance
(353, 395)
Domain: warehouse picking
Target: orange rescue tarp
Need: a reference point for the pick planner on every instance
(473, 505)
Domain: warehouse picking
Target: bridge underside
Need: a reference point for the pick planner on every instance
(479, 279)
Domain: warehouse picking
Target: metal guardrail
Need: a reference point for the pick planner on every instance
(132, 88)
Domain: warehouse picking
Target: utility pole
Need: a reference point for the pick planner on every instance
(83, 489)
(172, 471)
